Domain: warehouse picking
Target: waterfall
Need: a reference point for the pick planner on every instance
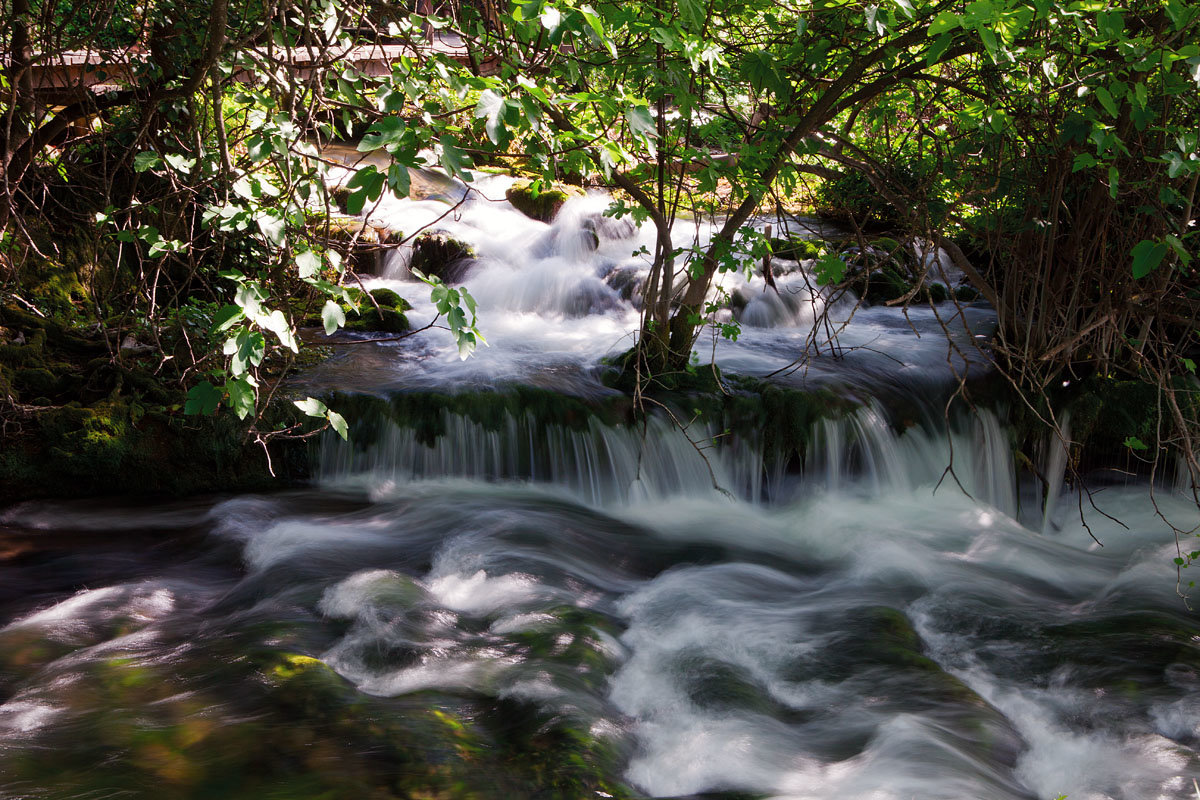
(1058, 448)
(596, 463)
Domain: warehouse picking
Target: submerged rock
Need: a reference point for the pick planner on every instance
(609, 228)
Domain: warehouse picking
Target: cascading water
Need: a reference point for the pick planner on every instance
(555, 299)
(498, 606)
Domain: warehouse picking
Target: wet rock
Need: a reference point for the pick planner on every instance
(608, 228)
(131, 346)
(379, 310)
(590, 297)
(796, 249)
(628, 283)
(539, 200)
(339, 199)
(439, 254)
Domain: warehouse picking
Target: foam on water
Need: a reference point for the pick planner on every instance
(555, 299)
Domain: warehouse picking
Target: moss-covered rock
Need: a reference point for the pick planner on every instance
(439, 254)
(379, 310)
(796, 248)
(539, 200)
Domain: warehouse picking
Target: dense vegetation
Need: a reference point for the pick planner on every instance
(179, 216)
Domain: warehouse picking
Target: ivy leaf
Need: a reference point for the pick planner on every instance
(1147, 255)
(146, 160)
(241, 397)
(203, 398)
(1134, 443)
(226, 317)
(273, 228)
(332, 316)
(308, 263)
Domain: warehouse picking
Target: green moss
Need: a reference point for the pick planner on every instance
(34, 382)
(441, 255)
(382, 311)
(539, 200)
(796, 248)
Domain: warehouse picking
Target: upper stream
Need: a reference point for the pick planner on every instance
(519, 609)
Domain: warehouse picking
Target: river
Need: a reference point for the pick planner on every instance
(525, 609)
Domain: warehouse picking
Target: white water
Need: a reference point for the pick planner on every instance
(895, 618)
(552, 305)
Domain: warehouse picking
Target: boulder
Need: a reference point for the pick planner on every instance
(539, 200)
(439, 254)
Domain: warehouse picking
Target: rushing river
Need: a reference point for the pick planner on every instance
(525, 610)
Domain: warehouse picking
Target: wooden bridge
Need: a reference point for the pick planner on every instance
(65, 78)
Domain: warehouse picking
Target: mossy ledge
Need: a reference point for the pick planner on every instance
(745, 409)
(82, 420)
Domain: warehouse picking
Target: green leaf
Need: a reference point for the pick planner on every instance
(491, 108)
(989, 41)
(367, 184)
(1147, 255)
(249, 348)
(938, 48)
(692, 14)
(338, 423)
(830, 269)
(399, 181)
(454, 159)
(311, 406)
(597, 25)
(1106, 100)
(146, 160)
(308, 263)
(226, 317)
(332, 316)
(203, 398)
(1181, 252)
(388, 130)
(273, 228)
(179, 163)
(943, 22)
(278, 324)
(241, 397)
(1134, 443)
(642, 124)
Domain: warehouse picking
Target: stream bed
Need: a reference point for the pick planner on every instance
(519, 610)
